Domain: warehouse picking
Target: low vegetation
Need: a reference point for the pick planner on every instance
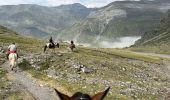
(130, 76)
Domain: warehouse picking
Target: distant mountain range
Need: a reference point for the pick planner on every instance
(4, 30)
(41, 21)
(82, 24)
(121, 18)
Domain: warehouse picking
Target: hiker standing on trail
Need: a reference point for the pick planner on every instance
(11, 49)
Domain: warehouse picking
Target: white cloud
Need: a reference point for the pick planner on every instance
(88, 3)
(100, 3)
(15, 2)
(59, 2)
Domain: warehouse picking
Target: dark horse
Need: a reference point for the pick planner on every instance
(51, 46)
(72, 45)
(81, 96)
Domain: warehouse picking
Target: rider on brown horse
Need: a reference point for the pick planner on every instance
(72, 45)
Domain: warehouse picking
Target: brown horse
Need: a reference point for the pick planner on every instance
(51, 46)
(81, 96)
(72, 46)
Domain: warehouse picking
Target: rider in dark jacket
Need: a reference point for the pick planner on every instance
(51, 40)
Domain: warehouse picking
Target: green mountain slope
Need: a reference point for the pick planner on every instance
(157, 40)
(86, 25)
(121, 18)
(4, 30)
(24, 43)
(40, 21)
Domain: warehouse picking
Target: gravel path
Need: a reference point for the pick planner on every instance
(39, 92)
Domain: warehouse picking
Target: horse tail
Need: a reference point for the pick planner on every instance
(45, 47)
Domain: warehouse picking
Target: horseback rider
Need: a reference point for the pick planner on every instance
(51, 41)
(12, 49)
(72, 45)
(50, 44)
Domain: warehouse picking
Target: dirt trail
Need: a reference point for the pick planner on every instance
(154, 54)
(39, 92)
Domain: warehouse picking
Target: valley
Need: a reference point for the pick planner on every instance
(124, 45)
(85, 25)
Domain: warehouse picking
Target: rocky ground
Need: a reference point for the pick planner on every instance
(91, 71)
(30, 88)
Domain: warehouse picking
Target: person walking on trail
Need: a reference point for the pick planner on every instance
(12, 49)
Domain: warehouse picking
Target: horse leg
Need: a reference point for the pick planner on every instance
(15, 64)
(45, 47)
(72, 49)
(53, 50)
(58, 46)
(11, 64)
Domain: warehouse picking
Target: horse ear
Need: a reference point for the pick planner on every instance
(100, 95)
(62, 96)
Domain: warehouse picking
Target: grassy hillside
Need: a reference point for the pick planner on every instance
(24, 43)
(157, 40)
(4, 30)
(130, 76)
(10, 90)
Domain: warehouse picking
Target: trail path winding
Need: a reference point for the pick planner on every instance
(154, 54)
(39, 92)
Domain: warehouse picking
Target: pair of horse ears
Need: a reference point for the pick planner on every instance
(98, 96)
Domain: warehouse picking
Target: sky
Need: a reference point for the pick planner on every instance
(87, 3)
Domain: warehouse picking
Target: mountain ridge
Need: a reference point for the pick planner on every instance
(82, 24)
(22, 18)
(117, 19)
(158, 39)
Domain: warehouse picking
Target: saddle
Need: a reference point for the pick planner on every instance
(9, 52)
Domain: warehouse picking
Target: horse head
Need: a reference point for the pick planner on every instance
(82, 96)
